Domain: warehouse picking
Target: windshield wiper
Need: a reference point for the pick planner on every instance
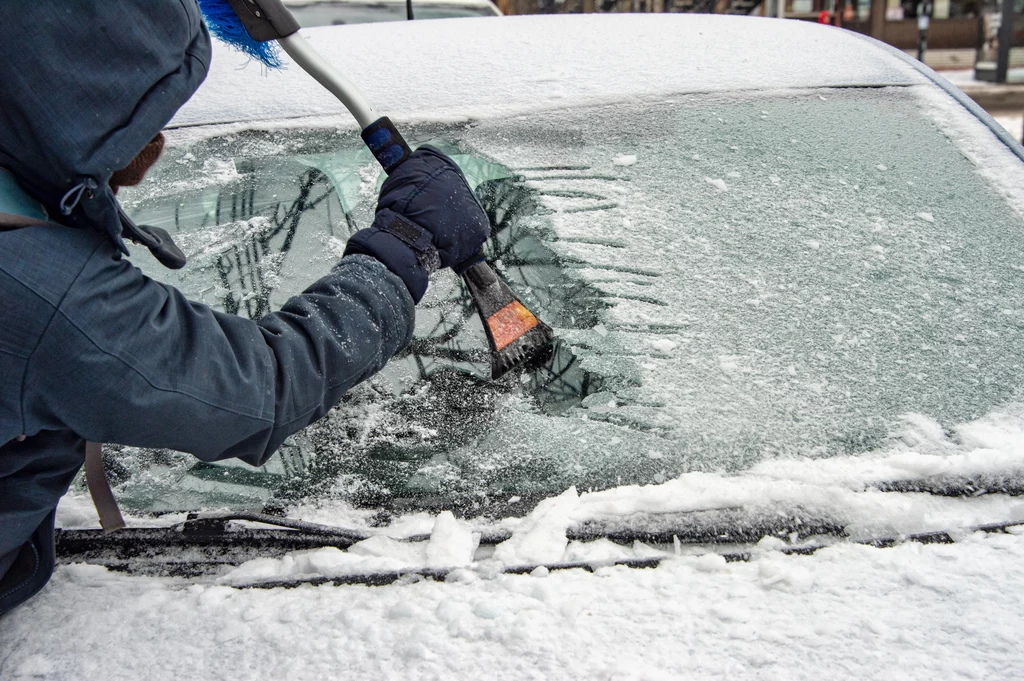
(207, 545)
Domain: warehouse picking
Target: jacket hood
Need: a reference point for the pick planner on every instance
(86, 84)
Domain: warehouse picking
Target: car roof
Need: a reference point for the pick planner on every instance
(447, 69)
(416, 3)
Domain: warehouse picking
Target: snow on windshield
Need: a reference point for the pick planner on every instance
(734, 278)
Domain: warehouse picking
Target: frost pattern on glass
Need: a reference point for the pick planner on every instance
(767, 276)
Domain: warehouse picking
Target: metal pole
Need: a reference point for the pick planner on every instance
(878, 19)
(1005, 40)
(924, 9)
(328, 76)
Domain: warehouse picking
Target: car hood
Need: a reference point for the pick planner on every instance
(80, 103)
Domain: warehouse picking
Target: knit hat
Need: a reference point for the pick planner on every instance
(132, 174)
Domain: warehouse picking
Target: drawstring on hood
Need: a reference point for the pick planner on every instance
(86, 185)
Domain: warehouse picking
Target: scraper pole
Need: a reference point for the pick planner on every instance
(514, 334)
(328, 76)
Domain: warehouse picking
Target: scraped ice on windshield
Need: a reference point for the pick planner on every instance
(220, 169)
(717, 183)
(664, 345)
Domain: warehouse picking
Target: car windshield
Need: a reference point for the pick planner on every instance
(731, 278)
(337, 13)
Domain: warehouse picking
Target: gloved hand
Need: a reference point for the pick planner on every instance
(427, 218)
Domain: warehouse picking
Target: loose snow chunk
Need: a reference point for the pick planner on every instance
(717, 183)
(774, 179)
(770, 543)
(664, 345)
(882, 167)
(780, 574)
(34, 666)
(709, 562)
(220, 170)
(540, 538)
(327, 561)
(624, 159)
(927, 217)
(451, 544)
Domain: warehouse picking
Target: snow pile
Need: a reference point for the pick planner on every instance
(327, 561)
(846, 612)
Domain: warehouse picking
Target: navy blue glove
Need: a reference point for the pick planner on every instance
(427, 218)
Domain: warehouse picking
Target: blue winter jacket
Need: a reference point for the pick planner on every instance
(92, 349)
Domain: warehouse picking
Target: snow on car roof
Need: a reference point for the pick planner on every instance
(416, 3)
(449, 69)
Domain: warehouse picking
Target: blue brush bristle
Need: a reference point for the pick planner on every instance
(226, 26)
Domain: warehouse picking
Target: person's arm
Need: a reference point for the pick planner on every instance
(128, 360)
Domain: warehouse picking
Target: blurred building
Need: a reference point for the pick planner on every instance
(965, 30)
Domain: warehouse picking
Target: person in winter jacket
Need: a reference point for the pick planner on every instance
(93, 350)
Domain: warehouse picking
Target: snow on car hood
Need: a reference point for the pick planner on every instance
(450, 69)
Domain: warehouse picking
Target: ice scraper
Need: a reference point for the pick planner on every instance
(514, 333)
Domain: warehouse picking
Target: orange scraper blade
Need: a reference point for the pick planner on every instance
(509, 323)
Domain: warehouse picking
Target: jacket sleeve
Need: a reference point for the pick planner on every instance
(129, 360)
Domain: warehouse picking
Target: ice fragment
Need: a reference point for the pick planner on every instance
(717, 183)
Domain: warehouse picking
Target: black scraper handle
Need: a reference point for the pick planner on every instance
(386, 143)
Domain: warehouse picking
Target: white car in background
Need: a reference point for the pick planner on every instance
(338, 12)
(784, 264)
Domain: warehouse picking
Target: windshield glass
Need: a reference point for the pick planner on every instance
(337, 13)
(731, 278)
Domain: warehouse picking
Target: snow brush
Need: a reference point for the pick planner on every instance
(515, 335)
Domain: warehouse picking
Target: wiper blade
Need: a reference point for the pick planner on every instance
(208, 547)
